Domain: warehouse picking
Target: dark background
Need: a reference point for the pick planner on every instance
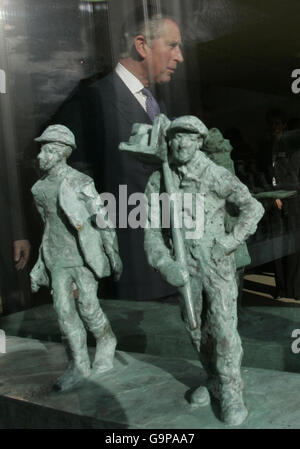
(239, 56)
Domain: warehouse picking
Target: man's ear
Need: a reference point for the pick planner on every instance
(141, 45)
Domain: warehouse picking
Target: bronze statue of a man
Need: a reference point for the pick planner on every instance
(74, 253)
(210, 266)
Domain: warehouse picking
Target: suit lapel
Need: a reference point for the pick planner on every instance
(126, 103)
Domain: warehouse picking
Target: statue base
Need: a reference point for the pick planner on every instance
(141, 392)
(266, 331)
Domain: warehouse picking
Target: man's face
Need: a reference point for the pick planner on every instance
(183, 146)
(164, 54)
(50, 155)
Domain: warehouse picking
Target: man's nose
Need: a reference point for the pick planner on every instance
(178, 55)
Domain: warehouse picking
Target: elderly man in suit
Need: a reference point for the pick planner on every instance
(74, 251)
(150, 53)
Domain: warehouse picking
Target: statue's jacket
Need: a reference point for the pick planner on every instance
(82, 205)
(218, 187)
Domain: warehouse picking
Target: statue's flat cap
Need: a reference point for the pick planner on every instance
(57, 133)
(189, 123)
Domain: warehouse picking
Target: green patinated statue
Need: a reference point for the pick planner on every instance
(206, 273)
(73, 255)
(218, 150)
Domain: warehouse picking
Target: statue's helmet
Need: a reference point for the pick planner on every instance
(57, 133)
(189, 123)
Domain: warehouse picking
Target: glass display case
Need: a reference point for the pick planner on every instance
(234, 64)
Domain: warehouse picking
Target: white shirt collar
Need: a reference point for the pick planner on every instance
(131, 81)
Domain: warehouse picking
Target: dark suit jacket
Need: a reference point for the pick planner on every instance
(101, 116)
(11, 228)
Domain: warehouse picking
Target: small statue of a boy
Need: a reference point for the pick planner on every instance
(74, 252)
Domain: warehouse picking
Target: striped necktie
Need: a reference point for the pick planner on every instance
(152, 107)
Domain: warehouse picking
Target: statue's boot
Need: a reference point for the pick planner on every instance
(72, 377)
(230, 396)
(105, 350)
(106, 342)
(80, 366)
(200, 397)
(233, 409)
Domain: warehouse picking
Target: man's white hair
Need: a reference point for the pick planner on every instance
(150, 27)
